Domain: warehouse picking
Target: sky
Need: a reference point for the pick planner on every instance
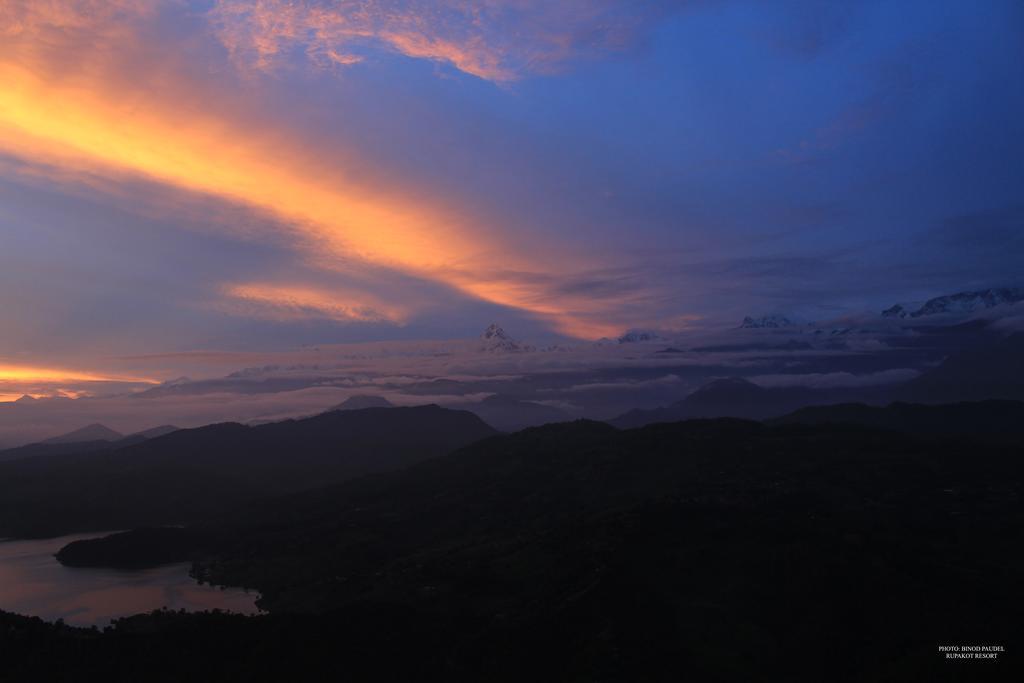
(183, 180)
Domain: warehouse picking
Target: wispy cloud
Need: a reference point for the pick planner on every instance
(297, 302)
(17, 380)
(833, 380)
(33, 17)
(497, 40)
(74, 107)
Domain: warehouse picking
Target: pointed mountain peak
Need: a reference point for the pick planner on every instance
(961, 302)
(495, 331)
(495, 338)
(360, 401)
(766, 322)
(728, 385)
(638, 336)
(93, 432)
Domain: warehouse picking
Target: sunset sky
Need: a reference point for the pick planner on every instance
(229, 176)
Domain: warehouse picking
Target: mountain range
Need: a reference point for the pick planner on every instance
(732, 397)
(94, 437)
(192, 473)
(993, 421)
(93, 432)
(766, 322)
(495, 339)
(993, 370)
(510, 414)
(360, 401)
(639, 336)
(961, 302)
(989, 371)
(578, 552)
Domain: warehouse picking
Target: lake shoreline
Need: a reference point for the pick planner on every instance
(33, 583)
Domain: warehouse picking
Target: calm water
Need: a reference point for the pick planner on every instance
(32, 582)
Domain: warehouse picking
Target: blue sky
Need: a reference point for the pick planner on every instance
(324, 172)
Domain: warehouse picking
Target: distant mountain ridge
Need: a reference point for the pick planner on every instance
(639, 336)
(729, 397)
(93, 432)
(193, 472)
(766, 322)
(961, 302)
(992, 371)
(95, 437)
(993, 421)
(496, 339)
(510, 414)
(360, 401)
(579, 552)
(154, 432)
(965, 302)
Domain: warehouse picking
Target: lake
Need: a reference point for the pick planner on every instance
(33, 583)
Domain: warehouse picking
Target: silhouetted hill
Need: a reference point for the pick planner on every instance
(510, 414)
(711, 550)
(36, 450)
(731, 397)
(361, 401)
(93, 432)
(1001, 421)
(170, 647)
(154, 432)
(61, 446)
(976, 372)
(190, 473)
(993, 371)
(136, 549)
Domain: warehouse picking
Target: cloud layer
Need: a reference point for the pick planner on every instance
(75, 104)
(217, 176)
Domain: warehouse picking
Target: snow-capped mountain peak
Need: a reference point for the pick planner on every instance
(961, 302)
(766, 322)
(494, 338)
(637, 336)
(494, 331)
(895, 311)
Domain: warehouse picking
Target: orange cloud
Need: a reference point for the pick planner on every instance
(82, 101)
(40, 381)
(47, 375)
(63, 392)
(289, 302)
(84, 126)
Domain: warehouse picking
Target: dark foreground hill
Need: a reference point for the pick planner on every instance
(43, 450)
(992, 421)
(716, 550)
(192, 474)
(991, 371)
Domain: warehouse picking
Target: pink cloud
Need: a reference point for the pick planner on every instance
(497, 40)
